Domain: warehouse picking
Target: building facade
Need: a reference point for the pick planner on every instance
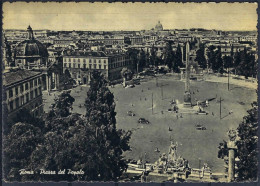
(81, 64)
(23, 89)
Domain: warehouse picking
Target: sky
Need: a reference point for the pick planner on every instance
(129, 16)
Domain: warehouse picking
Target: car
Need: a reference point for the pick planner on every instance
(202, 113)
(201, 128)
(143, 121)
(130, 86)
(130, 113)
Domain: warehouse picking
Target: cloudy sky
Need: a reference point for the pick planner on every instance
(129, 16)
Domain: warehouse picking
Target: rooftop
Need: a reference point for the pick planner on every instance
(85, 53)
(10, 78)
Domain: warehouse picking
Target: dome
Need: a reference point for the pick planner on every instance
(31, 47)
(159, 26)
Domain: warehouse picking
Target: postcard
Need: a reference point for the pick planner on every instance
(129, 92)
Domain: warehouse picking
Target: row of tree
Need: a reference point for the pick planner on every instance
(240, 62)
(66, 140)
(142, 59)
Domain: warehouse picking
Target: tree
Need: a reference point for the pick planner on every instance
(247, 150)
(62, 105)
(211, 56)
(18, 147)
(153, 58)
(66, 80)
(200, 56)
(178, 59)
(126, 75)
(168, 55)
(100, 114)
(218, 66)
(246, 143)
(142, 60)
(227, 61)
(24, 116)
(133, 56)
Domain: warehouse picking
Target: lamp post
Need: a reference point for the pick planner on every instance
(199, 168)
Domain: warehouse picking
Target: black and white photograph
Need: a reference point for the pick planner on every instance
(129, 92)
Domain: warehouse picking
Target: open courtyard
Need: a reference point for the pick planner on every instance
(197, 146)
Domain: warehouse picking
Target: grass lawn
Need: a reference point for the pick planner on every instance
(192, 144)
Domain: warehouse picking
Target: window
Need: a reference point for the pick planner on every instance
(16, 91)
(99, 61)
(78, 65)
(90, 66)
(21, 88)
(84, 66)
(35, 82)
(31, 94)
(36, 92)
(105, 61)
(27, 97)
(31, 84)
(17, 102)
(22, 100)
(99, 67)
(11, 105)
(90, 61)
(39, 81)
(84, 60)
(95, 66)
(74, 60)
(78, 60)
(69, 59)
(69, 65)
(74, 65)
(105, 67)
(64, 65)
(94, 60)
(26, 86)
(40, 90)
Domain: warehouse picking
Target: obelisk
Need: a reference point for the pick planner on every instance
(187, 94)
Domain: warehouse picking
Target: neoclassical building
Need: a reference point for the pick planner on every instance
(31, 54)
(81, 64)
(22, 89)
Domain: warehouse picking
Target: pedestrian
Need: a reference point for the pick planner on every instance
(177, 116)
(145, 99)
(140, 98)
(162, 111)
(132, 104)
(231, 111)
(181, 116)
(212, 113)
(197, 90)
(142, 90)
(148, 88)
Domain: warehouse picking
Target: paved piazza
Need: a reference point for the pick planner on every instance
(192, 144)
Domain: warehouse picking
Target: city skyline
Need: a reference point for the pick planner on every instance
(130, 16)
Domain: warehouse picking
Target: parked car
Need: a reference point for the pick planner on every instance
(130, 86)
(200, 127)
(143, 121)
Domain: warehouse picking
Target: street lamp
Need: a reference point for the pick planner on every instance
(199, 168)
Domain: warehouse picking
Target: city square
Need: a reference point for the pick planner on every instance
(197, 146)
